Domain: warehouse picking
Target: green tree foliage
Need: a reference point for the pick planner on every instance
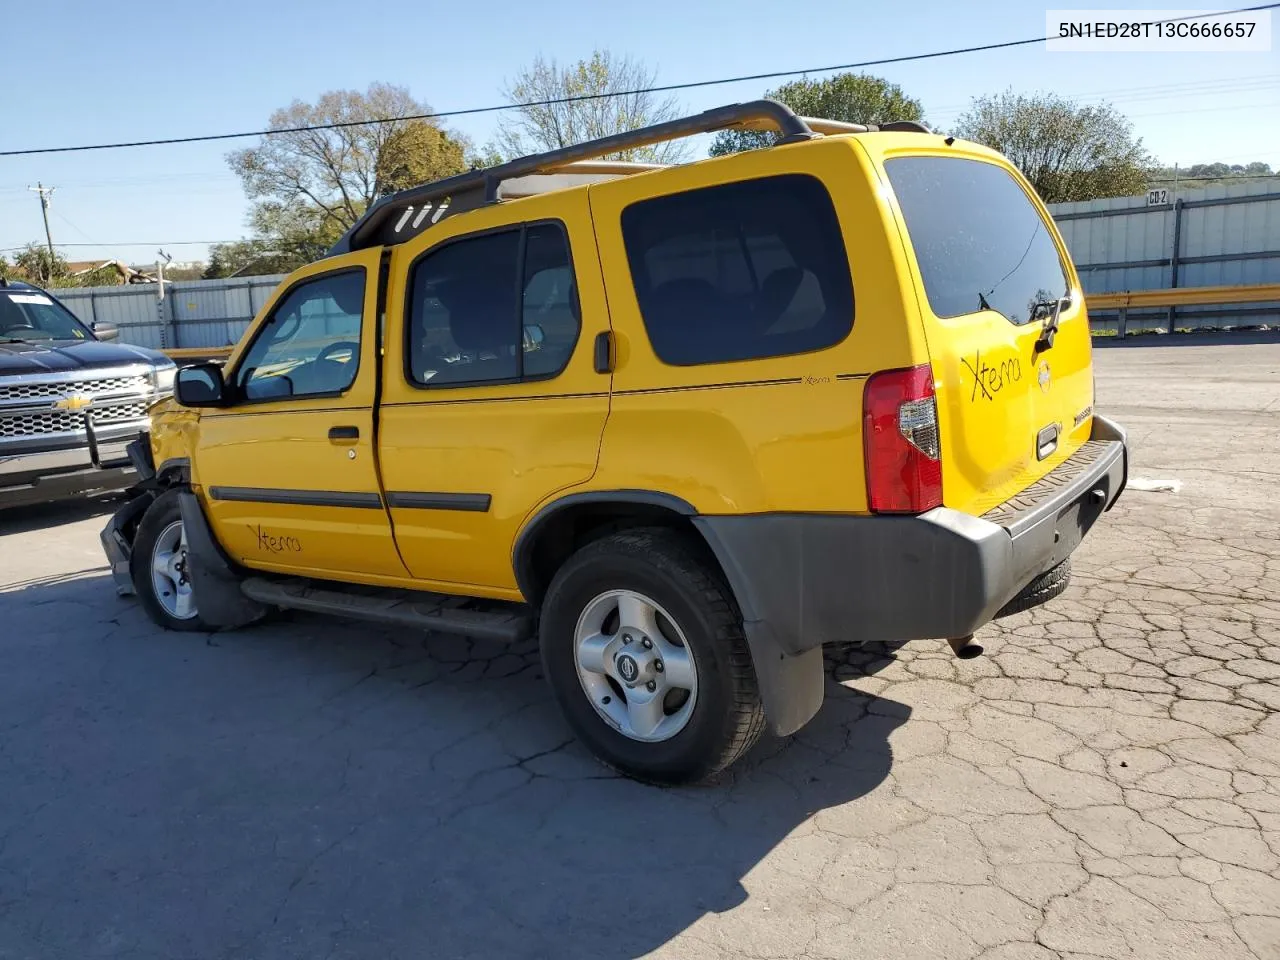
(1067, 150)
(849, 97)
(540, 127)
(1199, 175)
(309, 186)
(35, 264)
(248, 258)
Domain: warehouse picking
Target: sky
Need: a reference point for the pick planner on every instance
(85, 75)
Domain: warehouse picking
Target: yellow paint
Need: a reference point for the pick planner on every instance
(988, 442)
(520, 443)
(777, 434)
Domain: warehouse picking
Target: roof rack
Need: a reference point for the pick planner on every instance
(406, 214)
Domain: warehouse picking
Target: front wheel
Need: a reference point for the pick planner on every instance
(161, 567)
(643, 645)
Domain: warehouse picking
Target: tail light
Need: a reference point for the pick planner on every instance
(901, 442)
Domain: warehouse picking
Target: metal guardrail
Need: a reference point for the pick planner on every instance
(1126, 300)
(1122, 301)
(1184, 297)
(196, 354)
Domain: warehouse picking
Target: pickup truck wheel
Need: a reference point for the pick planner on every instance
(643, 646)
(160, 567)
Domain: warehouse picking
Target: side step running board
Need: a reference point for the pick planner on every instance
(438, 613)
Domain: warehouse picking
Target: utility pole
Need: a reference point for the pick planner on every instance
(45, 194)
(160, 265)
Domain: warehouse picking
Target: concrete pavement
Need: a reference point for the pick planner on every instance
(1104, 784)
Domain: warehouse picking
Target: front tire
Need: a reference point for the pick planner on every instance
(642, 643)
(159, 567)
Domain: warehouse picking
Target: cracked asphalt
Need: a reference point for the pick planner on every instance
(1104, 784)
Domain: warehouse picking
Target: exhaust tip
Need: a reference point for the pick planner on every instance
(965, 648)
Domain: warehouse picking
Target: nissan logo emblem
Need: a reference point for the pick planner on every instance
(628, 669)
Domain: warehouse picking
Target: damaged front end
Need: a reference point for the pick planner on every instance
(117, 536)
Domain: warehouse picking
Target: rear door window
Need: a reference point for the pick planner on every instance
(740, 271)
(481, 312)
(980, 242)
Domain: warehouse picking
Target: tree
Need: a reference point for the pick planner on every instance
(34, 262)
(850, 97)
(1067, 151)
(310, 186)
(1199, 175)
(247, 258)
(536, 126)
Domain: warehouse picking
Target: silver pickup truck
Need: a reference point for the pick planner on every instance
(69, 400)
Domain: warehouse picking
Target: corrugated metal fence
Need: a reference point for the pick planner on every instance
(1222, 234)
(194, 313)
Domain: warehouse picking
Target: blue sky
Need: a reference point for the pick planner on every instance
(87, 75)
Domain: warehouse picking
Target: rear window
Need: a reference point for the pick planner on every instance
(979, 240)
(740, 271)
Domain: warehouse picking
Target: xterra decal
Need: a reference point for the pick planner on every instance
(275, 544)
(989, 380)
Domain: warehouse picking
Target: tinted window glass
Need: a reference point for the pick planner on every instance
(311, 343)
(466, 318)
(550, 303)
(32, 315)
(978, 239)
(740, 271)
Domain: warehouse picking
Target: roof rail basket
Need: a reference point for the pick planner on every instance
(404, 215)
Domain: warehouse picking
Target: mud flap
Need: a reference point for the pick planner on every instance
(214, 582)
(791, 687)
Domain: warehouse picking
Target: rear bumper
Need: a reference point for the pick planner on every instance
(802, 580)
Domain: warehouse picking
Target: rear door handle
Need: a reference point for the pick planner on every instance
(344, 433)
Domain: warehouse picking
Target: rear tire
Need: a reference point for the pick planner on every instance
(1042, 589)
(159, 567)
(708, 712)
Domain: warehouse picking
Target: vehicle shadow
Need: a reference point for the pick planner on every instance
(335, 789)
(47, 515)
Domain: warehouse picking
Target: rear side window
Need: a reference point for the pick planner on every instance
(740, 271)
(494, 308)
(979, 240)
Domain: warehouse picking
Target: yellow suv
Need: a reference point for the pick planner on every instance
(687, 424)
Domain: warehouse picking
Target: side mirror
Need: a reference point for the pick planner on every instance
(106, 331)
(533, 337)
(200, 385)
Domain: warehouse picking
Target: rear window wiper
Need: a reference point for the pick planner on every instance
(1051, 309)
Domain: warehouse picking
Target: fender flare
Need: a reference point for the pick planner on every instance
(214, 579)
(792, 687)
(522, 551)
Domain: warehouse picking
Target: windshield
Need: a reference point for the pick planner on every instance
(30, 315)
(979, 240)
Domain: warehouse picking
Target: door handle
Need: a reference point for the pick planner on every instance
(344, 433)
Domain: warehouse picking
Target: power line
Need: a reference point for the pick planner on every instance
(1154, 92)
(133, 243)
(664, 88)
